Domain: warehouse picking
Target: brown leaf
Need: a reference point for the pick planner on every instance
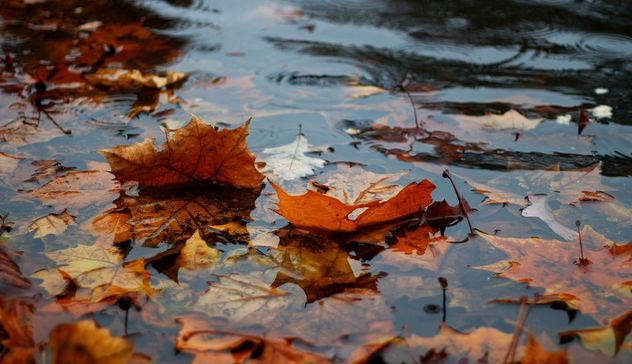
(441, 215)
(16, 333)
(536, 354)
(318, 212)
(509, 120)
(126, 79)
(111, 227)
(600, 288)
(609, 339)
(196, 254)
(84, 343)
(193, 153)
(210, 342)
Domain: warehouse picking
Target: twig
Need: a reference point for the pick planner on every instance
(583, 261)
(298, 142)
(444, 286)
(446, 174)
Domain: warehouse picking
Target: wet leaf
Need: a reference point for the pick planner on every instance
(196, 254)
(84, 343)
(16, 333)
(10, 273)
(352, 184)
(51, 224)
(100, 269)
(126, 79)
(8, 164)
(535, 353)
(318, 212)
(78, 189)
(193, 153)
(599, 288)
(609, 339)
(290, 161)
(440, 214)
(210, 342)
(495, 195)
(111, 227)
(511, 119)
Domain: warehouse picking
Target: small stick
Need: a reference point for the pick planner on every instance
(523, 314)
(583, 261)
(65, 131)
(444, 286)
(400, 85)
(446, 174)
(298, 142)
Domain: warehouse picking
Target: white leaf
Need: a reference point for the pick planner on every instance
(290, 162)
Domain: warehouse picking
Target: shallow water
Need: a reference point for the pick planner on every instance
(300, 65)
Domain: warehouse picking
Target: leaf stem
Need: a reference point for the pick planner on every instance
(446, 174)
(583, 261)
(444, 286)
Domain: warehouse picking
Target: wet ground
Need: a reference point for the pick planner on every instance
(388, 85)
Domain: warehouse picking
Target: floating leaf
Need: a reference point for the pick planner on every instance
(609, 340)
(194, 153)
(315, 211)
(51, 224)
(126, 79)
(290, 162)
(84, 343)
(78, 189)
(16, 333)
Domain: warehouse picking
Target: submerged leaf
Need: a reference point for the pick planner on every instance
(599, 288)
(17, 345)
(125, 79)
(52, 224)
(609, 339)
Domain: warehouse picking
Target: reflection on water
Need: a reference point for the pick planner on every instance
(497, 88)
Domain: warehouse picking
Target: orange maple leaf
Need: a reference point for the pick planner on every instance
(318, 212)
(194, 153)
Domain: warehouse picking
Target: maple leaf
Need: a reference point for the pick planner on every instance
(84, 343)
(173, 216)
(51, 224)
(289, 161)
(210, 342)
(415, 239)
(125, 79)
(495, 195)
(353, 185)
(100, 269)
(609, 339)
(111, 227)
(318, 212)
(511, 119)
(318, 265)
(484, 344)
(78, 189)
(194, 153)
(599, 288)
(16, 333)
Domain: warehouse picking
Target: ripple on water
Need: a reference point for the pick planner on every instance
(355, 4)
(606, 44)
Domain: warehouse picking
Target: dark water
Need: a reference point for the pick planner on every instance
(300, 64)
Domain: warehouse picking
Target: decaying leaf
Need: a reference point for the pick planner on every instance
(84, 343)
(495, 195)
(194, 153)
(111, 227)
(10, 273)
(600, 288)
(609, 339)
(440, 214)
(318, 212)
(126, 79)
(511, 119)
(196, 254)
(290, 161)
(100, 269)
(16, 333)
(354, 185)
(78, 189)
(51, 224)
(210, 342)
